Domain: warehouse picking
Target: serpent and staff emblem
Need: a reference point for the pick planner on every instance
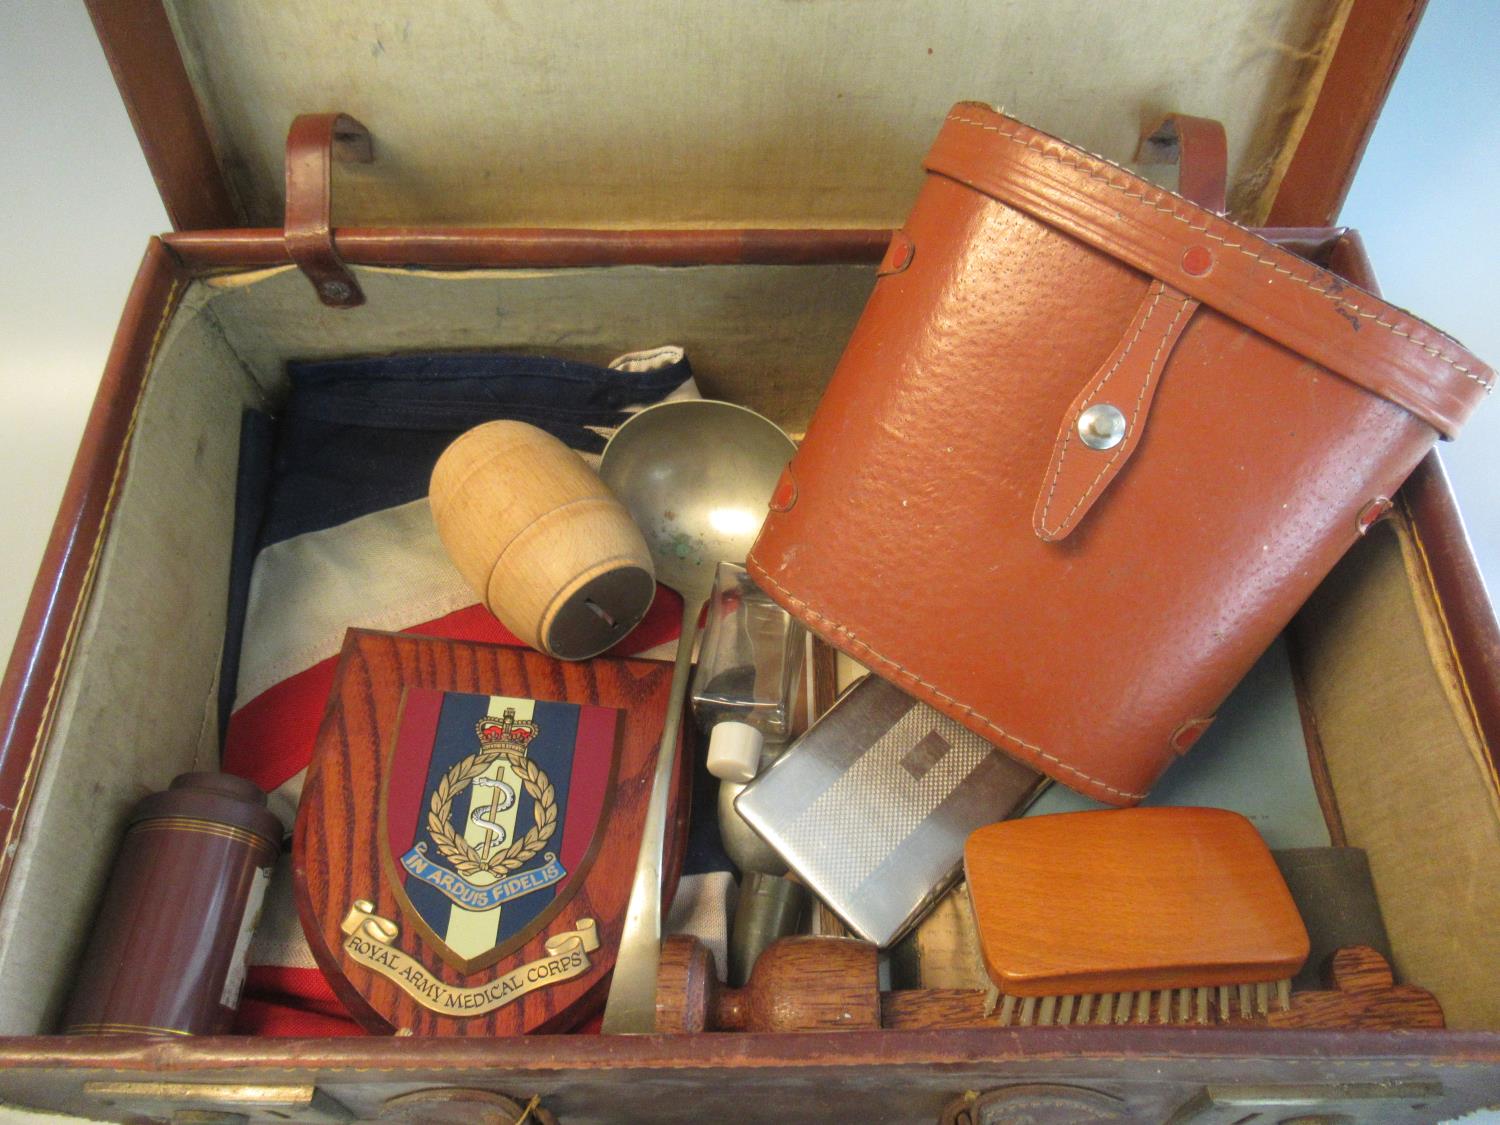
(484, 838)
(484, 816)
(500, 739)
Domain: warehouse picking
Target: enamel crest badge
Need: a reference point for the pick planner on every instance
(491, 805)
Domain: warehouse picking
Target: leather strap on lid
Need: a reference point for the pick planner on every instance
(1119, 394)
(1309, 310)
(1199, 148)
(314, 141)
(1123, 387)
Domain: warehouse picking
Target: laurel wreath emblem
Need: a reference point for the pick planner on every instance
(464, 856)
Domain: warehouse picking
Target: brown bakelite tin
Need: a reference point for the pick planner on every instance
(168, 950)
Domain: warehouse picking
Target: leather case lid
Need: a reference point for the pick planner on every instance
(670, 113)
(1309, 310)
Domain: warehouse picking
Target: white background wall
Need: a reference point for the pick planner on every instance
(1427, 203)
(77, 204)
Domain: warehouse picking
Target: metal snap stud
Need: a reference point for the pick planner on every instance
(1101, 426)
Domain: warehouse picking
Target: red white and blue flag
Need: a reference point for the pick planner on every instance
(335, 532)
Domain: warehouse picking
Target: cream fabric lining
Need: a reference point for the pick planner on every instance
(138, 704)
(676, 113)
(1408, 770)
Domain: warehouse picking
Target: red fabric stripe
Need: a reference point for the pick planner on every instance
(269, 739)
(284, 1002)
(414, 751)
(593, 747)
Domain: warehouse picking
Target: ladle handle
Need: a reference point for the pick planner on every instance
(631, 1007)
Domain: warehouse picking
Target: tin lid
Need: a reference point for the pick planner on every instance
(218, 797)
(751, 115)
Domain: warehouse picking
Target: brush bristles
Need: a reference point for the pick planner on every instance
(1164, 1006)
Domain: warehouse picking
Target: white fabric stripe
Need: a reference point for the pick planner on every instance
(278, 939)
(386, 570)
(702, 907)
(647, 359)
(284, 799)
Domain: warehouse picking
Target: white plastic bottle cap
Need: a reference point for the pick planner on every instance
(734, 751)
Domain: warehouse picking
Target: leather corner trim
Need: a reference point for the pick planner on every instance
(1078, 475)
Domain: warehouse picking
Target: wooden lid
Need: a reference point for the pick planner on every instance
(1130, 899)
(750, 115)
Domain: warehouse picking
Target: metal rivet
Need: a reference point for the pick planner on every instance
(335, 290)
(1197, 260)
(1101, 426)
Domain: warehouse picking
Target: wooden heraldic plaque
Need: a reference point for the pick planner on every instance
(465, 843)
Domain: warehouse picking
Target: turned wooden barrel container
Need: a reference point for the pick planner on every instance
(541, 539)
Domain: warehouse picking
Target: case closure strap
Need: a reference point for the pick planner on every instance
(1103, 426)
(314, 141)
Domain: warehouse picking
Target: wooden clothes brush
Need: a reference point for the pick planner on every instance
(1132, 915)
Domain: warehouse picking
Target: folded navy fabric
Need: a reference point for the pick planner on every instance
(358, 435)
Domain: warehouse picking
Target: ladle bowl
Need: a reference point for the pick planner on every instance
(697, 477)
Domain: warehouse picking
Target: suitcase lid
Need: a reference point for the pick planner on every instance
(673, 114)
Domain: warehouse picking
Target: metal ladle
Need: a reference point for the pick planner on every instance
(697, 476)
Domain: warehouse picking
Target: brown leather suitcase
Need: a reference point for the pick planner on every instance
(773, 212)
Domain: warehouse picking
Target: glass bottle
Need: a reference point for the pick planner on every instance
(751, 653)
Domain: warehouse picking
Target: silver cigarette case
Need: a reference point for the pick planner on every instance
(871, 807)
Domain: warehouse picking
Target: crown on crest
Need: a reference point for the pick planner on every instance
(505, 730)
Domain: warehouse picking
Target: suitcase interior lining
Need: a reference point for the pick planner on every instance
(559, 115)
(1406, 761)
(137, 702)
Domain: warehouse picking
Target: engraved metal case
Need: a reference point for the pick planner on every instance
(872, 805)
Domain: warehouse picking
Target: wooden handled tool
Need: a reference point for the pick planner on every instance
(798, 984)
(828, 984)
